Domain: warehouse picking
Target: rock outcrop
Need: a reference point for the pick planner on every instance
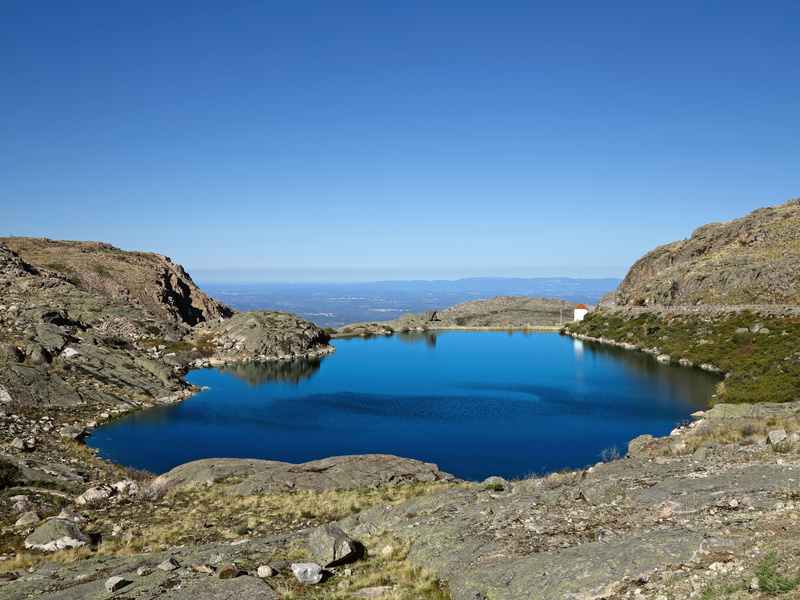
(337, 472)
(148, 280)
(261, 334)
(751, 260)
(500, 312)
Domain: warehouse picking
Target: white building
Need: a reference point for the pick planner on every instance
(580, 312)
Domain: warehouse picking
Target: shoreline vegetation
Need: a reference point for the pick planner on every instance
(757, 353)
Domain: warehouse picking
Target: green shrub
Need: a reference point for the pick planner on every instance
(10, 474)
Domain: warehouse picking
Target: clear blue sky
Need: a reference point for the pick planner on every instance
(354, 140)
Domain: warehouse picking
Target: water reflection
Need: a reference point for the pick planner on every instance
(481, 404)
(694, 385)
(291, 371)
(412, 337)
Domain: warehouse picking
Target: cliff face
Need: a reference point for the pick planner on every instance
(148, 281)
(751, 260)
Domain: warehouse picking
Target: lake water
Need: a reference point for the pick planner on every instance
(475, 403)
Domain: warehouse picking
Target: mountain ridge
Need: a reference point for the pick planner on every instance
(754, 259)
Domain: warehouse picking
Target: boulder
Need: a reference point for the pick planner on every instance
(169, 565)
(116, 583)
(28, 518)
(228, 572)
(266, 571)
(73, 432)
(310, 573)
(56, 534)
(51, 337)
(776, 437)
(70, 514)
(19, 444)
(39, 355)
(11, 354)
(331, 546)
(94, 495)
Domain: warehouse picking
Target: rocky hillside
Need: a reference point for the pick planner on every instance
(102, 332)
(751, 260)
(141, 279)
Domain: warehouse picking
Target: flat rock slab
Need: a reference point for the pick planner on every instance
(32, 386)
(585, 571)
(354, 471)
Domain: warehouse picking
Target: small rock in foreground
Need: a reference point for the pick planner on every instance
(116, 583)
(265, 571)
(169, 565)
(307, 572)
(228, 572)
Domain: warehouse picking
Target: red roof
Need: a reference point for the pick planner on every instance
(582, 305)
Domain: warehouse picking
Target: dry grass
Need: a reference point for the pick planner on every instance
(209, 515)
(724, 432)
(385, 564)
(27, 559)
(204, 515)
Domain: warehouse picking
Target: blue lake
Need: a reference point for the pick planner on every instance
(475, 403)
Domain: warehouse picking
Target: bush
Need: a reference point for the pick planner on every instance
(10, 475)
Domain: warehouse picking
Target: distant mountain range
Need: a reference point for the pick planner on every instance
(338, 304)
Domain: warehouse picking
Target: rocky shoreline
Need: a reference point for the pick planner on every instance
(636, 347)
(710, 511)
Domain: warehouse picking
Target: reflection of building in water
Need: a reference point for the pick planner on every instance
(578, 347)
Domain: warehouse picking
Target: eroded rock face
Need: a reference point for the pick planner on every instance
(751, 260)
(150, 280)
